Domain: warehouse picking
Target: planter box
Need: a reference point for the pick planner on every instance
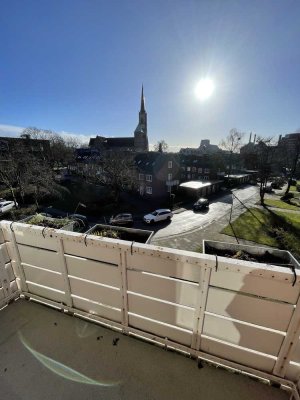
(261, 254)
(68, 227)
(130, 234)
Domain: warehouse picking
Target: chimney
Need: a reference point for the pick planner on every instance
(250, 137)
(279, 140)
(254, 138)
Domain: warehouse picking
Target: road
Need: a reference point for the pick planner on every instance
(190, 221)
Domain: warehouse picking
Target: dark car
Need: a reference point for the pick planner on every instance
(201, 204)
(124, 219)
(82, 221)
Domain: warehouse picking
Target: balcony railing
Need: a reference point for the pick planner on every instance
(240, 314)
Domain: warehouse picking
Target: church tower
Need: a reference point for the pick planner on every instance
(140, 134)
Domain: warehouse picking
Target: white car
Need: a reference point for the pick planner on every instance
(6, 205)
(161, 214)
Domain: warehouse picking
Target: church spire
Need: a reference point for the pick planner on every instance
(142, 100)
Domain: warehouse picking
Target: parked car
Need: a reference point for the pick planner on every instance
(82, 221)
(7, 205)
(162, 214)
(268, 189)
(124, 219)
(201, 204)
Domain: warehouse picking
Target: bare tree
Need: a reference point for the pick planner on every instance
(161, 146)
(232, 143)
(292, 159)
(265, 153)
(62, 148)
(115, 171)
(8, 176)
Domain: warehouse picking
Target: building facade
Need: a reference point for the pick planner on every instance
(157, 174)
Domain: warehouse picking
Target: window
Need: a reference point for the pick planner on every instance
(194, 169)
(169, 177)
(149, 178)
(188, 169)
(200, 170)
(141, 177)
(170, 164)
(148, 189)
(206, 170)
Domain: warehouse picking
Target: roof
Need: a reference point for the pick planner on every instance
(197, 184)
(108, 143)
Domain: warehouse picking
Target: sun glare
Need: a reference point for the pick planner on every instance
(204, 89)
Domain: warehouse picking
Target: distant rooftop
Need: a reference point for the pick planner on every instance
(198, 184)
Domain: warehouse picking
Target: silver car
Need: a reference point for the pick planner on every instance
(124, 219)
(6, 205)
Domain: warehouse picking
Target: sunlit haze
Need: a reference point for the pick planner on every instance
(204, 88)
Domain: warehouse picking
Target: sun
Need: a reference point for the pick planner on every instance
(204, 89)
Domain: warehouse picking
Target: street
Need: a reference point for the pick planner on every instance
(189, 222)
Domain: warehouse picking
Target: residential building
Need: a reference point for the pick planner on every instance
(204, 148)
(11, 146)
(157, 174)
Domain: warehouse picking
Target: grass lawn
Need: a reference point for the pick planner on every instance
(280, 204)
(257, 225)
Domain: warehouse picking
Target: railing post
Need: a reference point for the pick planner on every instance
(200, 307)
(19, 266)
(289, 343)
(4, 279)
(64, 273)
(123, 272)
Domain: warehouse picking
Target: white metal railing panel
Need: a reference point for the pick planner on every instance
(257, 285)
(162, 266)
(10, 272)
(39, 257)
(4, 254)
(238, 311)
(46, 292)
(95, 292)
(91, 251)
(43, 277)
(293, 371)
(34, 235)
(248, 336)
(296, 354)
(1, 237)
(157, 286)
(247, 308)
(93, 270)
(94, 308)
(172, 314)
(237, 354)
(159, 329)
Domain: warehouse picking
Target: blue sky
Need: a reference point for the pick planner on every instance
(77, 66)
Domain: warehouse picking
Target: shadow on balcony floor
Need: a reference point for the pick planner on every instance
(46, 354)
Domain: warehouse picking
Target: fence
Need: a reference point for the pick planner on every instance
(241, 314)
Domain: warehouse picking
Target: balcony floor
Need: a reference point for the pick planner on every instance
(46, 354)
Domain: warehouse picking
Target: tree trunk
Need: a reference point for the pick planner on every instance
(262, 193)
(288, 186)
(13, 196)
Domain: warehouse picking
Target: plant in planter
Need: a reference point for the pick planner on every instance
(49, 222)
(107, 233)
(122, 233)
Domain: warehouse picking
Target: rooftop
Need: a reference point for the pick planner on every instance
(198, 184)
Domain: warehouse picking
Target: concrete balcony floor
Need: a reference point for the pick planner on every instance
(46, 354)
